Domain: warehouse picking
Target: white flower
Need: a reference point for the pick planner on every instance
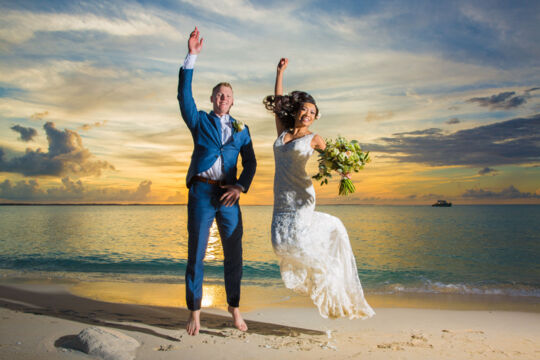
(238, 125)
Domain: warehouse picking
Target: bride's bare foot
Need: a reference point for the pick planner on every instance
(194, 323)
(239, 322)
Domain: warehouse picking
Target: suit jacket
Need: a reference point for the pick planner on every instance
(206, 132)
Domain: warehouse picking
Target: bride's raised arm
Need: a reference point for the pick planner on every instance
(281, 66)
(278, 90)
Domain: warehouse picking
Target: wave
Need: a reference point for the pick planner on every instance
(436, 287)
(255, 273)
(158, 266)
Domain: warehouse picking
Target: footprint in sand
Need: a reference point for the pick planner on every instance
(419, 340)
(165, 348)
(464, 335)
(415, 340)
(294, 343)
(233, 333)
(390, 346)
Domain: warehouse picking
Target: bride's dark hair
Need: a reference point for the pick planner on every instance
(286, 106)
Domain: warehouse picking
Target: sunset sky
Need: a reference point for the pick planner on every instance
(445, 95)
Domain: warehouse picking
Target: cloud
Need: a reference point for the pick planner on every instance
(26, 133)
(488, 170)
(531, 90)
(178, 197)
(39, 115)
(505, 100)
(431, 131)
(245, 12)
(503, 33)
(453, 121)
(515, 141)
(89, 90)
(71, 191)
(379, 116)
(19, 26)
(511, 192)
(412, 94)
(90, 126)
(238, 9)
(20, 190)
(66, 155)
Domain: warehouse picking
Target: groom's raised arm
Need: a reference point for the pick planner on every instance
(185, 95)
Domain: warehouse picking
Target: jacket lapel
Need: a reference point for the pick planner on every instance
(217, 124)
(234, 132)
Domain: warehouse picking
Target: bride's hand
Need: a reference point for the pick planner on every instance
(282, 65)
(345, 175)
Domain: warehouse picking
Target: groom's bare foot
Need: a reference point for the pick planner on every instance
(194, 323)
(239, 322)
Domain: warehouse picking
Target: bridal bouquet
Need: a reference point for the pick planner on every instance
(344, 157)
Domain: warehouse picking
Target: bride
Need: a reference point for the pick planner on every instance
(316, 257)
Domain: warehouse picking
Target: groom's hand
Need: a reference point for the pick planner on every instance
(194, 44)
(231, 195)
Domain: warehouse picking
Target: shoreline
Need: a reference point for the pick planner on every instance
(172, 293)
(256, 297)
(36, 316)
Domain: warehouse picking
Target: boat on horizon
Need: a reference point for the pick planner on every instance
(442, 203)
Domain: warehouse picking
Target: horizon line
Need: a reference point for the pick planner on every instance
(184, 204)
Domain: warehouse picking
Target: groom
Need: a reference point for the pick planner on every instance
(214, 189)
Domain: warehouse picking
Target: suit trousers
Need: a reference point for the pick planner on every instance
(203, 207)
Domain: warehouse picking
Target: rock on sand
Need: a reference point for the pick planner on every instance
(105, 343)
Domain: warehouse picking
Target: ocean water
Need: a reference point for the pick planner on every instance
(490, 250)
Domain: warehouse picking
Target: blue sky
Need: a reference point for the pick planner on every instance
(104, 75)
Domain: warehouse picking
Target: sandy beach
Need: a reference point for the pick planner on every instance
(39, 320)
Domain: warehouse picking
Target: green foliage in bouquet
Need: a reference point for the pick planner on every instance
(344, 157)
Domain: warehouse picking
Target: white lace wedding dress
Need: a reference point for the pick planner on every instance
(316, 257)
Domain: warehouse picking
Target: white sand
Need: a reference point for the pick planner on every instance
(276, 333)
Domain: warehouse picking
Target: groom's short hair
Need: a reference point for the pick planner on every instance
(216, 88)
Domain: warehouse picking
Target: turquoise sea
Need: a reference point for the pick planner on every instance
(489, 250)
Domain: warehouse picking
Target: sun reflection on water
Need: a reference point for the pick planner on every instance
(213, 296)
(214, 251)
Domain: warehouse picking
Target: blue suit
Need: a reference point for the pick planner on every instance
(203, 202)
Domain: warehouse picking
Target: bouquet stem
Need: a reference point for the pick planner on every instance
(346, 186)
